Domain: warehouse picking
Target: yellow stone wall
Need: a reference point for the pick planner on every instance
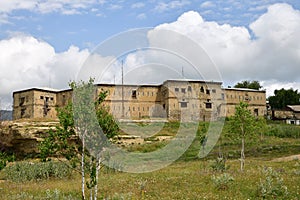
(173, 99)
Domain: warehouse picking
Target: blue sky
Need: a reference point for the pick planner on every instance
(87, 23)
(42, 36)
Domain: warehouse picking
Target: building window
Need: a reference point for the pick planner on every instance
(208, 105)
(202, 89)
(189, 88)
(133, 94)
(207, 91)
(51, 98)
(223, 96)
(183, 104)
(41, 97)
(183, 90)
(22, 101)
(256, 112)
(176, 89)
(213, 90)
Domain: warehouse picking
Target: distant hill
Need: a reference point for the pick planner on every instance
(5, 115)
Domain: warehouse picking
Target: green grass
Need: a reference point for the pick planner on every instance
(187, 178)
(181, 180)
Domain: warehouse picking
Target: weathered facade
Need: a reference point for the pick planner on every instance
(291, 114)
(185, 100)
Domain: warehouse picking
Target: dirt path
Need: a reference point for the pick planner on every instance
(288, 158)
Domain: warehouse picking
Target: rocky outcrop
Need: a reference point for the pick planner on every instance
(22, 137)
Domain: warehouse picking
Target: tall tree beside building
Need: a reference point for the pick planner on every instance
(78, 138)
(248, 84)
(283, 97)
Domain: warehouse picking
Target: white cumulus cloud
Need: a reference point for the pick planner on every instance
(28, 62)
(272, 54)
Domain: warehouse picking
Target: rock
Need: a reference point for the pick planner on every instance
(22, 137)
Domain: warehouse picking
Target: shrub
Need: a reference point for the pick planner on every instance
(284, 131)
(4, 158)
(26, 171)
(272, 185)
(222, 181)
(219, 164)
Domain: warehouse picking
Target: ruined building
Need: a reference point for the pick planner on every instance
(185, 100)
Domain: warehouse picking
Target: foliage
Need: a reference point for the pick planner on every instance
(4, 158)
(244, 125)
(271, 187)
(249, 84)
(27, 171)
(79, 137)
(222, 181)
(283, 97)
(219, 164)
(283, 131)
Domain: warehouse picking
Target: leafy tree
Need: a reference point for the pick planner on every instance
(244, 125)
(74, 138)
(283, 97)
(249, 84)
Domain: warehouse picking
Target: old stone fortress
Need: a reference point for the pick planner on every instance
(184, 100)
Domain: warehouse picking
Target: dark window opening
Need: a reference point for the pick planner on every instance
(183, 104)
(208, 105)
(51, 98)
(213, 90)
(183, 90)
(176, 89)
(207, 91)
(223, 96)
(133, 95)
(41, 97)
(189, 88)
(164, 106)
(23, 112)
(256, 112)
(202, 89)
(22, 101)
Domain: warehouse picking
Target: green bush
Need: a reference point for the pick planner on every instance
(271, 186)
(26, 171)
(283, 131)
(4, 158)
(219, 164)
(222, 181)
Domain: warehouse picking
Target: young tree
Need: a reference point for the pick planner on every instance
(244, 125)
(79, 138)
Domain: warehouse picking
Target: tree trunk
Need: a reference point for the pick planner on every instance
(98, 165)
(91, 171)
(82, 169)
(243, 154)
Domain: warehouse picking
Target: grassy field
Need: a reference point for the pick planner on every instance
(187, 178)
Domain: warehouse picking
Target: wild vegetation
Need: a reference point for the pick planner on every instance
(188, 178)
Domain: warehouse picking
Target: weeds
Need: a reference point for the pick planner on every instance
(271, 186)
(222, 181)
(219, 165)
(27, 171)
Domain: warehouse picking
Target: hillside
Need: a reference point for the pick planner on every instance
(5, 115)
